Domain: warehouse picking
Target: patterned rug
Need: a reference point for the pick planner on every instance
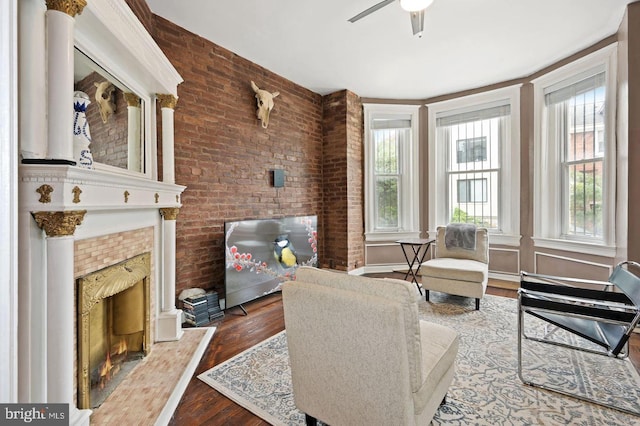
(486, 389)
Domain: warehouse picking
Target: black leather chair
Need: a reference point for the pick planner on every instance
(605, 316)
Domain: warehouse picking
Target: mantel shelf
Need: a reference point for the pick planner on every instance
(98, 190)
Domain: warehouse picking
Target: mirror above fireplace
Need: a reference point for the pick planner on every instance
(117, 136)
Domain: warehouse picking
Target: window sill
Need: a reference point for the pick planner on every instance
(390, 236)
(575, 246)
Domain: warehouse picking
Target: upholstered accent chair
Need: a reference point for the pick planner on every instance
(458, 270)
(359, 353)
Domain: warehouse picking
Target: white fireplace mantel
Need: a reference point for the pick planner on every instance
(87, 203)
(75, 188)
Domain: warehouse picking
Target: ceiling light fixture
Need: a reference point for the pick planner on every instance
(415, 5)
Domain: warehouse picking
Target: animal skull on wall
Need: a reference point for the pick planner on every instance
(104, 97)
(264, 100)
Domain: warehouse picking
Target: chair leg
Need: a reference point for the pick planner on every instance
(477, 304)
(310, 420)
(426, 294)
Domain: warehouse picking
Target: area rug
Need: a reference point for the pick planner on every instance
(486, 389)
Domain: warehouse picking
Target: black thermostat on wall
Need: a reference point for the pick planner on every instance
(278, 178)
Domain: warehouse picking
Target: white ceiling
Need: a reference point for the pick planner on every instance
(466, 43)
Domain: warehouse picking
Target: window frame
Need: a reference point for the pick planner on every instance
(547, 192)
(408, 185)
(509, 207)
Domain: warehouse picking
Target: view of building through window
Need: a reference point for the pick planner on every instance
(473, 142)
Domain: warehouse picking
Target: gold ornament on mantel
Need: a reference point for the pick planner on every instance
(170, 213)
(167, 101)
(70, 7)
(59, 224)
(45, 193)
(76, 194)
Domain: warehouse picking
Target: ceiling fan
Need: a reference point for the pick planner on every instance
(415, 8)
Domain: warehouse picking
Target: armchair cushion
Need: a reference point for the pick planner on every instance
(439, 350)
(455, 269)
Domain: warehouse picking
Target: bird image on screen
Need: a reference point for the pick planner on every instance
(284, 252)
(261, 254)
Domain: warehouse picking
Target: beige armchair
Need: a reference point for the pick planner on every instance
(458, 270)
(359, 353)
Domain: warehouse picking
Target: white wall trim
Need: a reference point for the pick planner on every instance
(8, 202)
(537, 254)
(508, 250)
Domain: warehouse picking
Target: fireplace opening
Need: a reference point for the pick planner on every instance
(116, 340)
(113, 332)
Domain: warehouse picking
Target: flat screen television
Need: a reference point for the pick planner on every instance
(261, 254)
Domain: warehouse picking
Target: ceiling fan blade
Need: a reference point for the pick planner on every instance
(417, 22)
(371, 10)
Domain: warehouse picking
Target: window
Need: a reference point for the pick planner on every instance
(573, 113)
(574, 170)
(474, 163)
(391, 171)
(472, 191)
(386, 151)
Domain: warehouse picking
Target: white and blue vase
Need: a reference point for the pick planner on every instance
(81, 134)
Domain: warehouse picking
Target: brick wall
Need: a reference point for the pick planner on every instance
(224, 156)
(335, 180)
(355, 177)
(343, 181)
(97, 253)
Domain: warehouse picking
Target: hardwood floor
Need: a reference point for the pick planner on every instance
(202, 405)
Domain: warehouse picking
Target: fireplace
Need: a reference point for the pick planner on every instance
(113, 307)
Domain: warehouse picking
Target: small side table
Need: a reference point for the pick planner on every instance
(419, 248)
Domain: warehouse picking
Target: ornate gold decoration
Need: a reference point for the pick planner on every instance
(98, 286)
(170, 213)
(132, 99)
(126, 196)
(157, 197)
(76, 194)
(45, 193)
(167, 101)
(59, 224)
(70, 7)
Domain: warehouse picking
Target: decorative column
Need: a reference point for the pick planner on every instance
(168, 105)
(59, 22)
(133, 131)
(170, 319)
(60, 227)
(32, 82)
